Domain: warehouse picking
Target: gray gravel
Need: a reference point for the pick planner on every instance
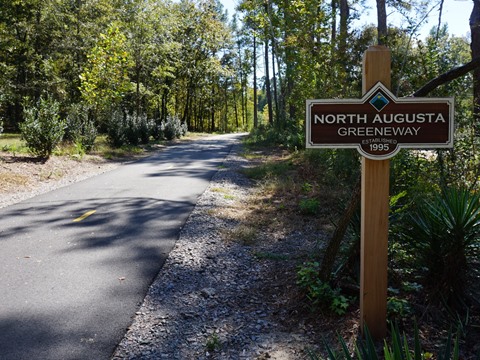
(206, 302)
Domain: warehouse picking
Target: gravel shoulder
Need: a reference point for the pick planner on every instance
(214, 297)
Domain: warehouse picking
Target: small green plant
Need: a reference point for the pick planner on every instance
(398, 308)
(307, 187)
(320, 293)
(309, 206)
(43, 129)
(213, 343)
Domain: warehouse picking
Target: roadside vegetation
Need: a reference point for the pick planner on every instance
(434, 246)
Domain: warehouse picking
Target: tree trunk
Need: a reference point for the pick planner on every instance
(267, 70)
(381, 22)
(344, 17)
(334, 22)
(255, 99)
(274, 77)
(212, 110)
(333, 246)
(267, 85)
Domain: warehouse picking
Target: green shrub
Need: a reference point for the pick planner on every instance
(132, 130)
(145, 128)
(320, 293)
(173, 128)
(117, 129)
(43, 129)
(444, 233)
(80, 128)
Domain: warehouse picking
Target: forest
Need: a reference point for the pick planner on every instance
(143, 70)
(145, 62)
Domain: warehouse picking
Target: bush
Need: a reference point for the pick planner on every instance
(444, 233)
(174, 128)
(158, 130)
(117, 129)
(132, 131)
(145, 128)
(129, 129)
(43, 129)
(80, 128)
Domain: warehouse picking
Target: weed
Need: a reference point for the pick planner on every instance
(309, 206)
(318, 292)
(244, 234)
(307, 188)
(213, 343)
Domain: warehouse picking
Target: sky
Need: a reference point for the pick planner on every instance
(456, 14)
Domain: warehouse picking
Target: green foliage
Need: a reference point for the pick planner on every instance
(444, 233)
(43, 128)
(397, 348)
(320, 294)
(105, 80)
(309, 206)
(80, 128)
(213, 343)
(292, 137)
(174, 129)
(117, 129)
(398, 308)
(269, 170)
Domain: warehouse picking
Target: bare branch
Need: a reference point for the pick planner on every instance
(453, 74)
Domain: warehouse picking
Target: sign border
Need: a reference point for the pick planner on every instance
(376, 87)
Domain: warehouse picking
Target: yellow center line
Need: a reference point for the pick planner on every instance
(84, 216)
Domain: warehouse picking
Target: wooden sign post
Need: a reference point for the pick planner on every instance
(378, 126)
(374, 213)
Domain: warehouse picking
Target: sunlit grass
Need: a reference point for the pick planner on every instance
(12, 142)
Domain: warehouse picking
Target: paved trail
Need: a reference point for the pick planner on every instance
(76, 262)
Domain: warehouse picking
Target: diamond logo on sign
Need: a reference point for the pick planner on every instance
(379, 101)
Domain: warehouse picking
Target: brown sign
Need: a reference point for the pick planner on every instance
(380, 124)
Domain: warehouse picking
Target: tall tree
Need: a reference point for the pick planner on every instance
(382, 22)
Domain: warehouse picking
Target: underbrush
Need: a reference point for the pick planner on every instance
(434, 243)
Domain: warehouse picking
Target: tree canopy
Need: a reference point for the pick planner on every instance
(190, 60)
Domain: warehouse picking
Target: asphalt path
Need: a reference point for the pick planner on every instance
(77, 262)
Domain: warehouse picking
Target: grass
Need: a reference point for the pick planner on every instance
(244, 234)
(12, 143)
(270, 170)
